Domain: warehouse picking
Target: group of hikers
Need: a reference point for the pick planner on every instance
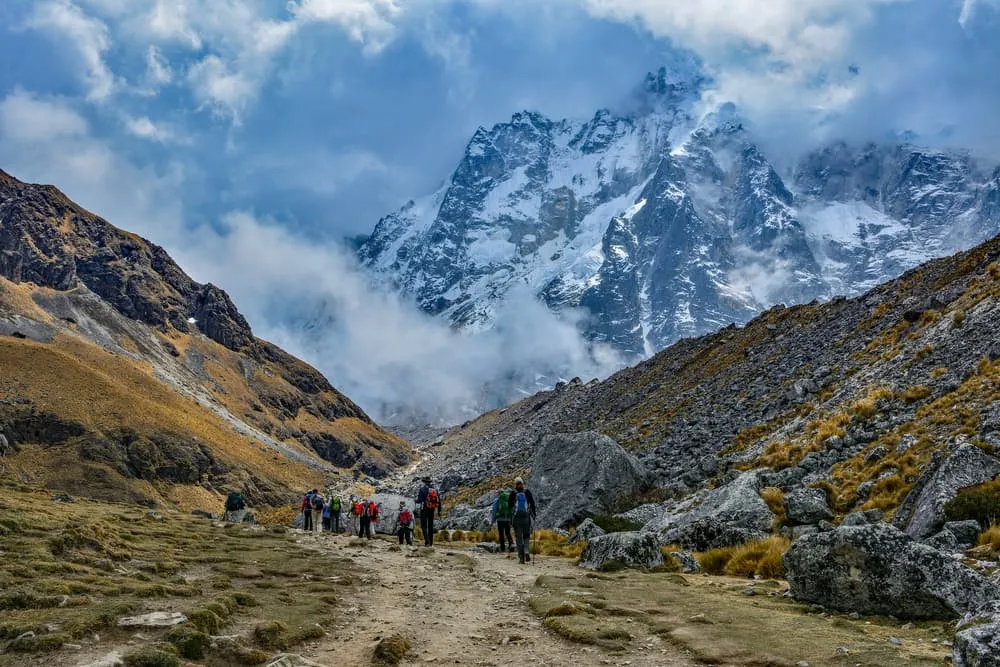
(513, 512)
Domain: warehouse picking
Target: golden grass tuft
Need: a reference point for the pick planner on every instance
(991, 538)
(759, 557)
(916, 393)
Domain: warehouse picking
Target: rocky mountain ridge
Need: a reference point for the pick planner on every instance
(663, 222)
(71, 285)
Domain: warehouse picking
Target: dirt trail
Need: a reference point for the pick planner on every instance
(458, 607)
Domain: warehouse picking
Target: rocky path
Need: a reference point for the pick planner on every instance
(458, 607)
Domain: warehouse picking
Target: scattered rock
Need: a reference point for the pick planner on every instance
(807, 506)
(863, 518)
(977, 640)
(922, 513)
(732, 514)
(634, 549)
(878, 569)
(574, 476)
(292, 660)
(966, 532)
(586, 531)
(390, 650)
(113, 659)
(156, 619)
(689, 564)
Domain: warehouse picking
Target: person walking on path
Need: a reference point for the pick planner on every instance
(356, 510)
(317, 506)
(307, 504)
(334, 507)
(522, 505)
(428, 502)
(405, 523)
(369, 515)
(502, 514)
(326, 517)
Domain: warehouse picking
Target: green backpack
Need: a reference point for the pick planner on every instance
(335, 504)
(503, 505)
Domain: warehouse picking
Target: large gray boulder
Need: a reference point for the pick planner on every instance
(634, 549)
(807, 506)
(977, 642)
(586, 531)
(389, 518)
(922, 512)
(878, 569)
(578, 475)
(467, 517)
(732, 514)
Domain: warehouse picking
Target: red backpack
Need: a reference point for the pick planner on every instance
(433, 499)
(373, 511)
(405, 518)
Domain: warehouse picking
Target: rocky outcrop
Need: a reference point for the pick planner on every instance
(389, 505)
(586, 532)
(977, 641)
(807, 506)
(732, 514)
(575, 476)
(467, 517)
(878, 569)
(634, 549)
(922, 513)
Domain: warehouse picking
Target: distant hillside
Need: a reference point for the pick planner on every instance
(857, 394)
(123, 377)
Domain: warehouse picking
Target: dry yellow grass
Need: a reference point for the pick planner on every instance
(991, 538)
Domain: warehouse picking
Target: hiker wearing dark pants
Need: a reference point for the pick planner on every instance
(522, 503)
(428, 502)
(405, 524)
(334, 521)
(502, 515)
(365, 529)
(307, 515)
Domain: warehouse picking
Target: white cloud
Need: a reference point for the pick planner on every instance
(215, 85)
(168, 21)
(86, 35)
(25, 118)
(158, 70)
(368, 22)
(144, 128)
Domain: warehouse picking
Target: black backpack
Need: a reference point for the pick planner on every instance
(317, 502)
(234, 502)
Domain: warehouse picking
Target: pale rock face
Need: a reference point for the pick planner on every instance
(663, 221)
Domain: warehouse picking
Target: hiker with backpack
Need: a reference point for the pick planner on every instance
(356, 511)
(317, 507)
(334, 508)
(234, 507)
(307, 507)
(369, 515)
(326, 517)
(428, 502)
(522, 505)
(502, 515)
(405, 524)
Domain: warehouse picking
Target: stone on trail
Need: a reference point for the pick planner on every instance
(156, 619)
(578, 475)
(922, 512)
(633, 549)
(977, 641)
(586, 531)
(113, 659)
(292, 660)
(878, 569)
(689, 564)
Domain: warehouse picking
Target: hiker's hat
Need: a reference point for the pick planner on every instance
(518, 480)
(426, 479)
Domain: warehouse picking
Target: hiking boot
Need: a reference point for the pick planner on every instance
(520, 560)
(527, 556)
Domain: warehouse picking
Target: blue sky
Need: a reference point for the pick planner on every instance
(249, 136)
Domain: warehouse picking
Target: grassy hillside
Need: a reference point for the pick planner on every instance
(902, 371)
(123, 378)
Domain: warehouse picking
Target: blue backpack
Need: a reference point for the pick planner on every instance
(521, 503)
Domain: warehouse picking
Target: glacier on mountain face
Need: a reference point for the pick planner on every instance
(667, 219)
